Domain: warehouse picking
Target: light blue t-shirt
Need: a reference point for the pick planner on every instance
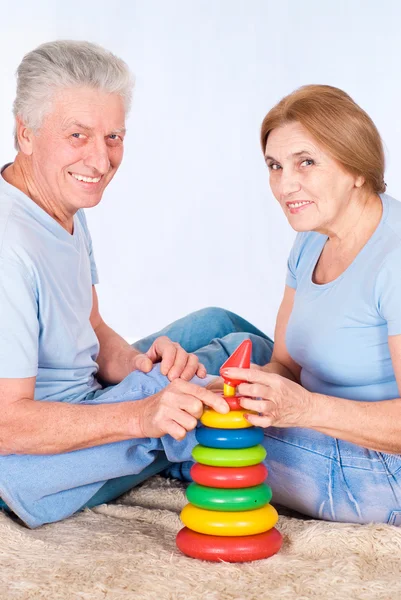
(46, 278)
(338, 331)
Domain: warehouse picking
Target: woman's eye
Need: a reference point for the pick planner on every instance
(307, 162)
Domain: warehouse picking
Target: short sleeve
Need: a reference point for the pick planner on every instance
(388, 292)
(293, 260)
(94, 273)
(19, 323)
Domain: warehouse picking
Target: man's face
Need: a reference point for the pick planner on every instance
(78, 148)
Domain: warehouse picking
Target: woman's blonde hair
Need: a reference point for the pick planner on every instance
(338, 124)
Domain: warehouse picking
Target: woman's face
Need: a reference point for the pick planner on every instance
(313, 189)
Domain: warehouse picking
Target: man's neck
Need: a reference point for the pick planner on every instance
(20, 175)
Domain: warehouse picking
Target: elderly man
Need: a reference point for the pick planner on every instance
(85, 416)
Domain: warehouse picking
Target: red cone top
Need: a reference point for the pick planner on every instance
(240, 358)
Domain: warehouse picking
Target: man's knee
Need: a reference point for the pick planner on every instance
(262, 348)
(218, 319)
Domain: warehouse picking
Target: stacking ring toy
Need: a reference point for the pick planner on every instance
(233, 420)
(243, 457)
(229, 438)
(213, 522)
(234, 499)
(229, 549)
(235, 477)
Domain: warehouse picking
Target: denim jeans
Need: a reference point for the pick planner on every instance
(312, 473)
(212, 334)
(309, 472)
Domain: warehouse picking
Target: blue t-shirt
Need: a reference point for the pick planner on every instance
(338, 332)
(46, 277)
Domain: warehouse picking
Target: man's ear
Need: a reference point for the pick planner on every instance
(24, 135)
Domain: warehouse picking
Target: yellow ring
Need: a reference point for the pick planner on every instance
(214, 522)
(233, 420)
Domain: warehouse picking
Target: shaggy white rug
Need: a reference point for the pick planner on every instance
(127, 550)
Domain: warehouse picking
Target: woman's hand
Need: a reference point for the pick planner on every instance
(176, 409)
(175, 362)
(280, 402)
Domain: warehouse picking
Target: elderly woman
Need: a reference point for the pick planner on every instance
(84, 416)
(330, 396)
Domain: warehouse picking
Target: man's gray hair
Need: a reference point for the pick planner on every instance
(66, 64)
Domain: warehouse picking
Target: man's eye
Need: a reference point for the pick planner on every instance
(274, 167)
(76, 135)
(114, 136)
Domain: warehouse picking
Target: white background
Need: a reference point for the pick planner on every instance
(189, 221)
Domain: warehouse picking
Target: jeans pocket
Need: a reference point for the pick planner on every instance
(395, 518)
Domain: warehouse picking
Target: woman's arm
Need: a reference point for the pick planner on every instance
(281, 362)
(284, 403)
(375, 425)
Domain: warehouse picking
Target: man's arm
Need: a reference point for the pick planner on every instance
(116, 356)
(34, 427)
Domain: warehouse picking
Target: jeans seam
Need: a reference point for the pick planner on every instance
(299, 446)
(390, 477)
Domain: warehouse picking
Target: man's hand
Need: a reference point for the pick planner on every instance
(175, 362)
(176, 409)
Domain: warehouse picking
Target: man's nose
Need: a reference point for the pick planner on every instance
(98, 157)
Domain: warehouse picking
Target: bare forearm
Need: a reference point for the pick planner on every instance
(279, 369)
(114, 356)
(374, 425)
(34, 427)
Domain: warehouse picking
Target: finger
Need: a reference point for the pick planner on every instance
(260, 406)
(215, 401)
(168, 358)
(180, 362)
(258, 421)
(201, 371)
(184, 419)
(251, 375)
(175, 430)
(191, 405)
(142, 363)
(156, 351)
(255, 390)
(191, 368)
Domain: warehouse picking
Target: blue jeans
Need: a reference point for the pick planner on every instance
(312, 473)
(47, 488)
(212, 334)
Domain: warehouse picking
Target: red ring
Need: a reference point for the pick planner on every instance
(228, 477)
(233, 401)
(230, 549)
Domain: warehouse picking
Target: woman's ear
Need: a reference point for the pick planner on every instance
(359, 181)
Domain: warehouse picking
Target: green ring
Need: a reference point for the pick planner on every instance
(229, 499)
(224, 457)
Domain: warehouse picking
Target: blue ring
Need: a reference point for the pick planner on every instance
(229, 438)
